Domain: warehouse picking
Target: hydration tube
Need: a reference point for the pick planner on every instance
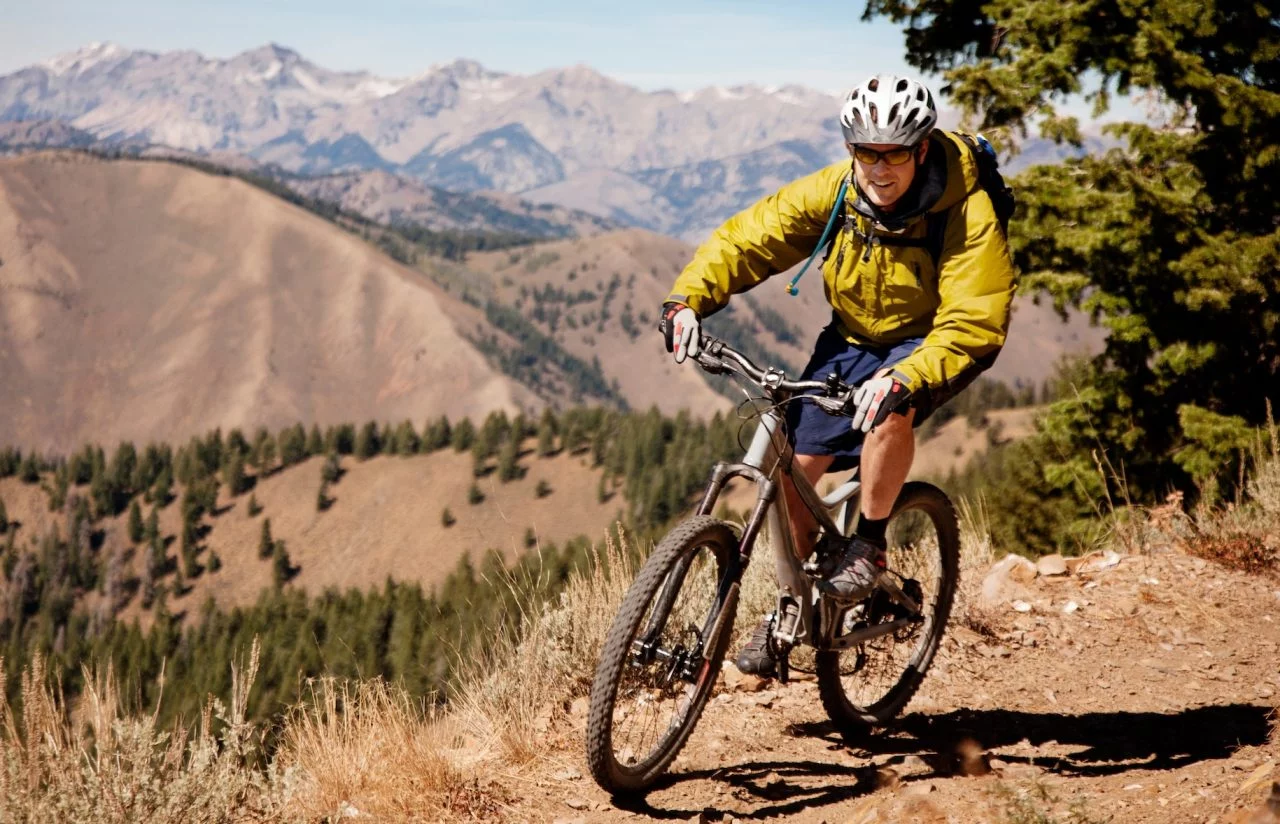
(792, 289)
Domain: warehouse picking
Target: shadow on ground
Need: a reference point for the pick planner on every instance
(1100, 744)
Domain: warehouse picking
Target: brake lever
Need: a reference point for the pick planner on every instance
(832, 406)
(711, 364)
(836, 400)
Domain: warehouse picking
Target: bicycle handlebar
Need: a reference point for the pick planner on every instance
(718, 357)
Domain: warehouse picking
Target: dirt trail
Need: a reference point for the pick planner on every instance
(1151, 700)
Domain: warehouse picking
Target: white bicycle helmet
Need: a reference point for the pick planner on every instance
(888, 109)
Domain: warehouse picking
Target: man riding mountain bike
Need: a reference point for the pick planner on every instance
(920, 281)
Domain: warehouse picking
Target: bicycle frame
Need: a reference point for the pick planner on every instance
(768, 458)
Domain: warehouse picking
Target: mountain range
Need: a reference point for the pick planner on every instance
(677, 163)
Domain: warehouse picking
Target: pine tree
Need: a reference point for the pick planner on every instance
(120, 473)
(162, 492)
(546, 434)
(265, 543)
(29, 471)
(406, 439)
(331, 469)
(260, 439)
(281, 569)
(152, 529)
(344, 439)
(293, 445)
(315, 442)
(215, 563)
(447, 519)
(367, 442)
(1170, 240)
(464, 434)
(474, 495)
(508, 462)
(4, 518)
(268, 456)
(436, 435)
(543, 489)
(323, 501)
(233, 474)
(530, 538)
(254, 507)
(152, 569)
(136, 529)
(101, 494)
(190, 547)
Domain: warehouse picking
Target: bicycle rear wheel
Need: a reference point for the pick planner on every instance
(662, 655)
(871, 683)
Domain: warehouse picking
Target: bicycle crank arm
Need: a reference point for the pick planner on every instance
(861, 636)
(896, 595)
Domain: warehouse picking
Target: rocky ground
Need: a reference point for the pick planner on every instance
(1123, 689)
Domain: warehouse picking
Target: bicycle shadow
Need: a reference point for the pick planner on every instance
(1107, 743)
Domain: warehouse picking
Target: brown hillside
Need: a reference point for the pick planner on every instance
(956, 442)
(643, 266)
(389, 198)
(384, 522)
(146, 300)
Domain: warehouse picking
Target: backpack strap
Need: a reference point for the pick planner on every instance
(934, 234)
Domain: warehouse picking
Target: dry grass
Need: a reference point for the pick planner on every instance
(349, 749)
(977, 554)
(510, 698)
(368, 748)
(96, 765)
(1246, 535)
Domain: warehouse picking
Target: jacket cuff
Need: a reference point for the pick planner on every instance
(908, 377)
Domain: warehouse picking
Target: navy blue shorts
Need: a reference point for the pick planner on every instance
(814, 432)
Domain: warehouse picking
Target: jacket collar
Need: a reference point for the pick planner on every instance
(925, 192)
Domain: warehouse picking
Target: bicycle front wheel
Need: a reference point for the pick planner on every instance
(662, 655)
(869, 684)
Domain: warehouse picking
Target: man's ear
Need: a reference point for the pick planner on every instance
(924, 150)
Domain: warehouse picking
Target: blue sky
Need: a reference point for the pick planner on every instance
(651, 44)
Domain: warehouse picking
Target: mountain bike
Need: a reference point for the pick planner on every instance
(663, 652)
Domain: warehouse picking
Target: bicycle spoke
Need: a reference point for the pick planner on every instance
(872, 681)
(656, 691)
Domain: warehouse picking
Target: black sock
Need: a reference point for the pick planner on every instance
(872, 529)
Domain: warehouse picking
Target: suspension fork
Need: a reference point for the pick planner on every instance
(735, 565)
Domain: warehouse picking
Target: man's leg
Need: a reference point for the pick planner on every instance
(886, 460)
(803, 525)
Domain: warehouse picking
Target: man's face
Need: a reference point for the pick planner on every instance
(884, 184)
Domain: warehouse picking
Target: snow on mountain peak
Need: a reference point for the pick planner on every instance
(81, 60)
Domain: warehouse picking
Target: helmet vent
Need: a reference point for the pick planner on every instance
(873, 84)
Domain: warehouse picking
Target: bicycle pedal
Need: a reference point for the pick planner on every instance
(788, 622)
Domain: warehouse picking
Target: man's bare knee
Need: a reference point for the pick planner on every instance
(893, 427)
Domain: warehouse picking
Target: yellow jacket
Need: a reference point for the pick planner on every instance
(886, 294)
